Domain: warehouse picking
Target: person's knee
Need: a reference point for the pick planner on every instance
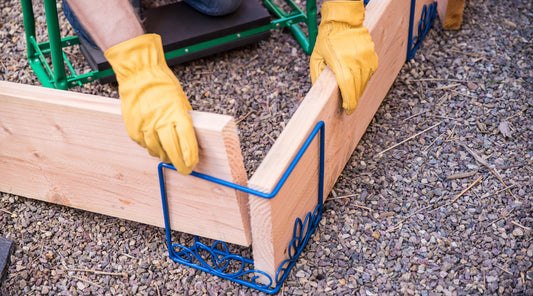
(215, 7)
(76, 25)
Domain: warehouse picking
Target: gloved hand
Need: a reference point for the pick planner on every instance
(345, 45)
(154, 107)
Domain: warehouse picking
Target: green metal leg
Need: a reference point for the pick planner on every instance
(288, 19)
(55, 44)
(29, 25)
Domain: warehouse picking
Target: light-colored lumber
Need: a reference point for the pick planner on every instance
(72, 149)
(451, 13)
(272, 220)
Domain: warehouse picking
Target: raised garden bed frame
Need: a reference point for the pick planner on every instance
(72, 149)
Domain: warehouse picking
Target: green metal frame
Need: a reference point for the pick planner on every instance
(57, 77)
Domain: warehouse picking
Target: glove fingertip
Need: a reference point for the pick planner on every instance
(348, 109)
(188, 145)
(153, 145)
(316, 66)
(170, 143)
(348, 106)
(348, 86)
(188, 106)
(181, 146)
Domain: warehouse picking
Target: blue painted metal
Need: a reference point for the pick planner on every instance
(426, 20)
(219, 261)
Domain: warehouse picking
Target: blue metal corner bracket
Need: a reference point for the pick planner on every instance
(426, 20)
(218, 260)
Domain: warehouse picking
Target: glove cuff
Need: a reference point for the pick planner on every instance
(135, 55)
(349, 12)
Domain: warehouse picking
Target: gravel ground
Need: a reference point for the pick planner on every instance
(396, 222)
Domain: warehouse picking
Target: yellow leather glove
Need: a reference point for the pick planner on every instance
(154, 107)
(345, 45)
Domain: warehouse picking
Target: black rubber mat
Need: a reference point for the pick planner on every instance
(180, 26)
(6, 249)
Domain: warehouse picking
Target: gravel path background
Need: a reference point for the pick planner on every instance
(389, 227)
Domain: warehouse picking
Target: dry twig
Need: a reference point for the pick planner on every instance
(443, 117)
(386, 215)
(244, 117)
(461, 175)
(466, 189)
(498, 191)
(411, 137)
(341, 197)
(348, 196)
(521, 226)
(452, 132)
(504, 216)
(363, 207)
(156, 288)
(504, 270)
(447, 86)
(6, 211)
(87, 281)
(486, 164)
(407, 218)
(414, 115)
(468, 53)
(3, 66)
(517, 113)
(495, 221)
(96, 271)
(458, 93)
(484, 280)
(253, 58)
(441, 79)
(269, 136)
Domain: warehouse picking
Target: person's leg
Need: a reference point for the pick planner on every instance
(79, 28)
(76, 25)
(214, 7)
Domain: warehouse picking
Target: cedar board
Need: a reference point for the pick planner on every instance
(72, 149)
(272, 220)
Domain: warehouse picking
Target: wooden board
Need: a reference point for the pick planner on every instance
(273, 220)
(72, 149)
(451, 13)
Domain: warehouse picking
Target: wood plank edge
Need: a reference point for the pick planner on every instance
(238, 173)
(280, 155)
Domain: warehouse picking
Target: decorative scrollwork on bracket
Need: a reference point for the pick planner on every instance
(218, 260)
(426, 20)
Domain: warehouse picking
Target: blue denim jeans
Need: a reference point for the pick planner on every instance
(209, 7)
(214, 7)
